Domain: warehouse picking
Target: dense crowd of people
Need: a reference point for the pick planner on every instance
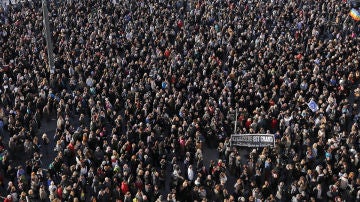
(152, 83)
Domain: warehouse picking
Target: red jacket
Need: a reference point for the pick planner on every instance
(124, 187)
(8, 199)
(274, 123)
(59, 192)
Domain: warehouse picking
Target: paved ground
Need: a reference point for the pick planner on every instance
(48, 127)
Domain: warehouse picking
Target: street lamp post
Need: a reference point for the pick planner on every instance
(49, 45)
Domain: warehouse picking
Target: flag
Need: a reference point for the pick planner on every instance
(313, 106)
(355, 14)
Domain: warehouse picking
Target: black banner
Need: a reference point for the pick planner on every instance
(253, 140)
